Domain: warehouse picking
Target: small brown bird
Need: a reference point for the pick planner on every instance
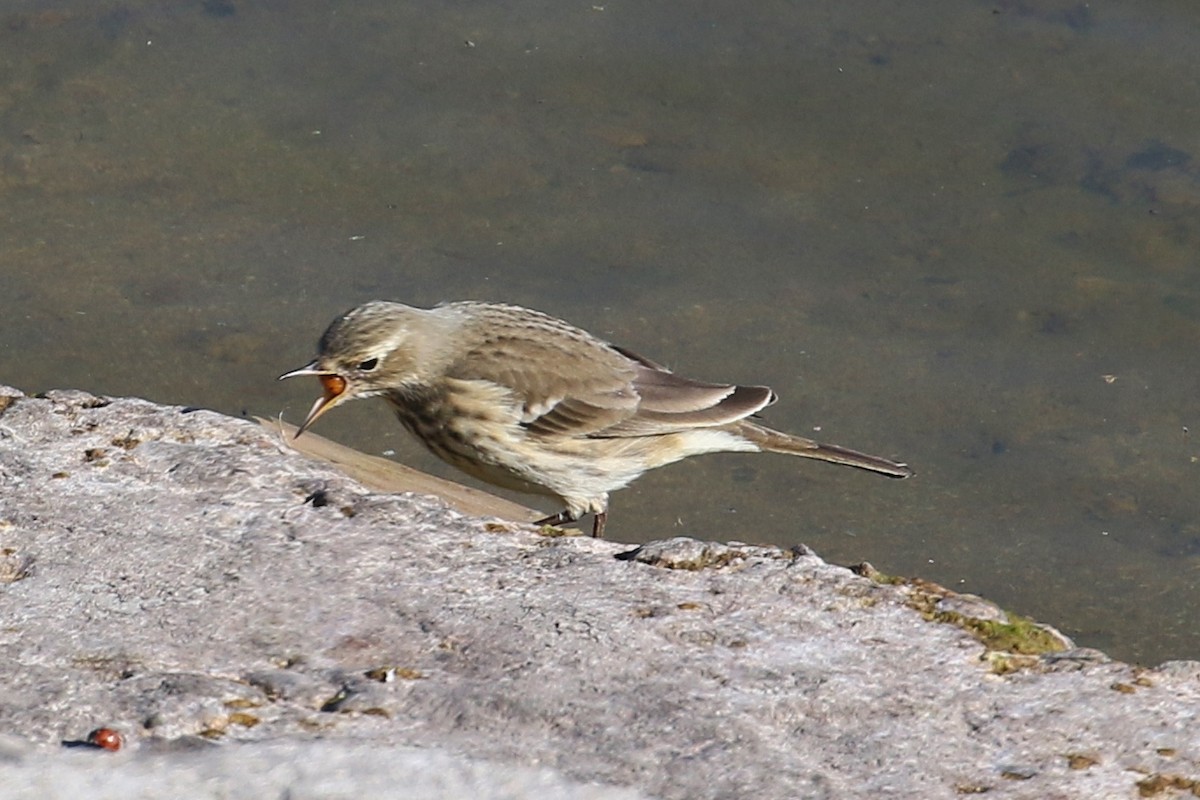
(526, 401)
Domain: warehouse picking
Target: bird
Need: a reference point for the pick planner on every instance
(526, 401)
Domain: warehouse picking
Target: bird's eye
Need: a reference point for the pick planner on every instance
(369, 364)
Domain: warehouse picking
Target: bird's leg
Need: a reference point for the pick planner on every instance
(598, 524)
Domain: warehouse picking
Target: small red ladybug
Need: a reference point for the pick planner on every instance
(105, 739)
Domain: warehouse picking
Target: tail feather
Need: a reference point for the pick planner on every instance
(778, 442)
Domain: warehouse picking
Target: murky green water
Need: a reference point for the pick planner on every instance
(959, 233)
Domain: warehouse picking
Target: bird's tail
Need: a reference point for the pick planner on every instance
(778, 442)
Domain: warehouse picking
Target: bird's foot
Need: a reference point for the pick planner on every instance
(564, 516)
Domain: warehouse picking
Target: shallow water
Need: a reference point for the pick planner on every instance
(959, 233)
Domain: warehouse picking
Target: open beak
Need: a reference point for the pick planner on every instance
(335, 392)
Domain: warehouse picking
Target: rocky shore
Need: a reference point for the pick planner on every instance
(255, 623)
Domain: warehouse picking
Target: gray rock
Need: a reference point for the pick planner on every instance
(165, 573)
(333, 770)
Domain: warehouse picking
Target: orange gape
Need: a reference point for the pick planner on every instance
(334, 385)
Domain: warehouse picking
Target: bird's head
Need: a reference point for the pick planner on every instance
(364, 352)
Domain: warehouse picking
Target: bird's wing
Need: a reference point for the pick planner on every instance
(584, 387)
(669, 403)
(562, 386)
(566, 382)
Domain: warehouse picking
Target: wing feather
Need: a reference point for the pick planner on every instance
(567, 383)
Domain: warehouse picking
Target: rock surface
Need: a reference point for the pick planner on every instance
(257, 624)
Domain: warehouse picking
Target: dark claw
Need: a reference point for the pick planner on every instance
(563, 517)
(560, 518)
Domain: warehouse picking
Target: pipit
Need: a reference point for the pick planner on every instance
(525, 401)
